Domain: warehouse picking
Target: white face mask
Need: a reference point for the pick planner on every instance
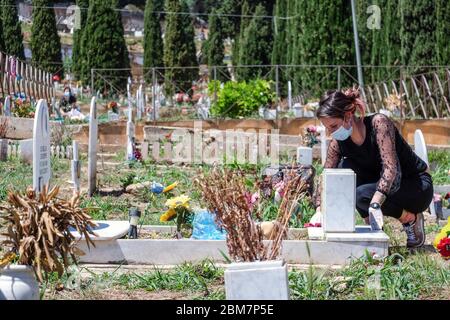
(66, 94)
(342, 133)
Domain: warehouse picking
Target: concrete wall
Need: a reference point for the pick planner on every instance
(436, 132)
(22, 128)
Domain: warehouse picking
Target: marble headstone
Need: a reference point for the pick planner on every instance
(304, 155)
(76, 167)
(289, 95)
(92, 148)
(420, 148)
(41, 147)
(338, 200)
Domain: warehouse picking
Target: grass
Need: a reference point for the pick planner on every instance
(103, 208)
(397, 277)
(440, 163)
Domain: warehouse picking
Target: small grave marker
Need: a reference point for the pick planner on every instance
(92, 148)
(41, 147)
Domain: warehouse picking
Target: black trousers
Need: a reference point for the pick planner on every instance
(414, 195)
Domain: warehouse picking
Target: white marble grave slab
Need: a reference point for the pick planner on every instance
(106, 230)
(304, 155)
(362, 233)
(266, 280)
(92, 148)
(41, 147)
(338, 200)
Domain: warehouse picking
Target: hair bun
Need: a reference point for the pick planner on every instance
(352, 93)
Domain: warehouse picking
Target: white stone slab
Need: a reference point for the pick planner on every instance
(106, 230)
(41, 147)
(172, 252)
(420, 148)
(26, 150)
(257, 281)
(92, 148)
(304, 155)
(315, 233)
(362, 233)
(338, 200)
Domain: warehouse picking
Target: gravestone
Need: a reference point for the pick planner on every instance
(41, 147)
(138, 105)
(130, 140)
(304, 155)
(420, 148)
(76, 168)
(338, 200)
(92, 149)
(323, 143)
(7, 106)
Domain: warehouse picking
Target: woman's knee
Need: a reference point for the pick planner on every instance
(364, 194)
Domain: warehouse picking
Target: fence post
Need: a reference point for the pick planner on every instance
(339, 77)
(277, 83)
(154, 93)
(215, 85)
(92, 82)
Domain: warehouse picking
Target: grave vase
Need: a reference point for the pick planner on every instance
(3, 149)
(259, 280)
(18, 282)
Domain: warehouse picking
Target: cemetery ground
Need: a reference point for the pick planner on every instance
(421, 274)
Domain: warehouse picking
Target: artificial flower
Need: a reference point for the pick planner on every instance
(444, 247)
(168, 215)
(178, 202)
(170, 187)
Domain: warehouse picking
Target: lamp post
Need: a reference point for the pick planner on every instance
(358, 54)
(134, 215)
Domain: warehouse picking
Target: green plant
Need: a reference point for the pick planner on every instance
(241, 99)
(127, 180)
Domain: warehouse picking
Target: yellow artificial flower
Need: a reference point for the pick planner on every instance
(168, 215)
(178, 202)
(170, 187)
(442, 234)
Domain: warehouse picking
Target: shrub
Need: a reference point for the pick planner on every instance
(241, 99)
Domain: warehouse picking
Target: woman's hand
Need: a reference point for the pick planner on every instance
(375, 218)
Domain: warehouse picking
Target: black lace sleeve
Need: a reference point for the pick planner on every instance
(391, 174)
(332, 161)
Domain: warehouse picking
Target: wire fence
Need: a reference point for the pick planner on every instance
(404, 91)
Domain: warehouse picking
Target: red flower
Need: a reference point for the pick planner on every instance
(311, 129)
(447, 196)
(444, 248)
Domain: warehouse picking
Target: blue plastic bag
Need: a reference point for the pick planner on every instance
(205, 228)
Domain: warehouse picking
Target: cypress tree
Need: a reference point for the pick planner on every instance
(442, 32)
(245, 20)
(179, 48)
(215, 48)
(2, 42)
(253, 47)
(279, 52)
(230, 24)
(153, 42)
(105, 46)
(45, 42)
(418, 37)
(12, 32)
(77, 58)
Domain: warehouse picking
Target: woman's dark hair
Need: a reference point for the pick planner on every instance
(336, 103)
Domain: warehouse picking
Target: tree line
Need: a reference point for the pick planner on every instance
(262, 32)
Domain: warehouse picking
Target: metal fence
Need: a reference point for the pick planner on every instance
(424, 90)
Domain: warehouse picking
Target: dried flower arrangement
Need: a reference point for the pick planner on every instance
(225, 194)
(4, 127)
(38, 230)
